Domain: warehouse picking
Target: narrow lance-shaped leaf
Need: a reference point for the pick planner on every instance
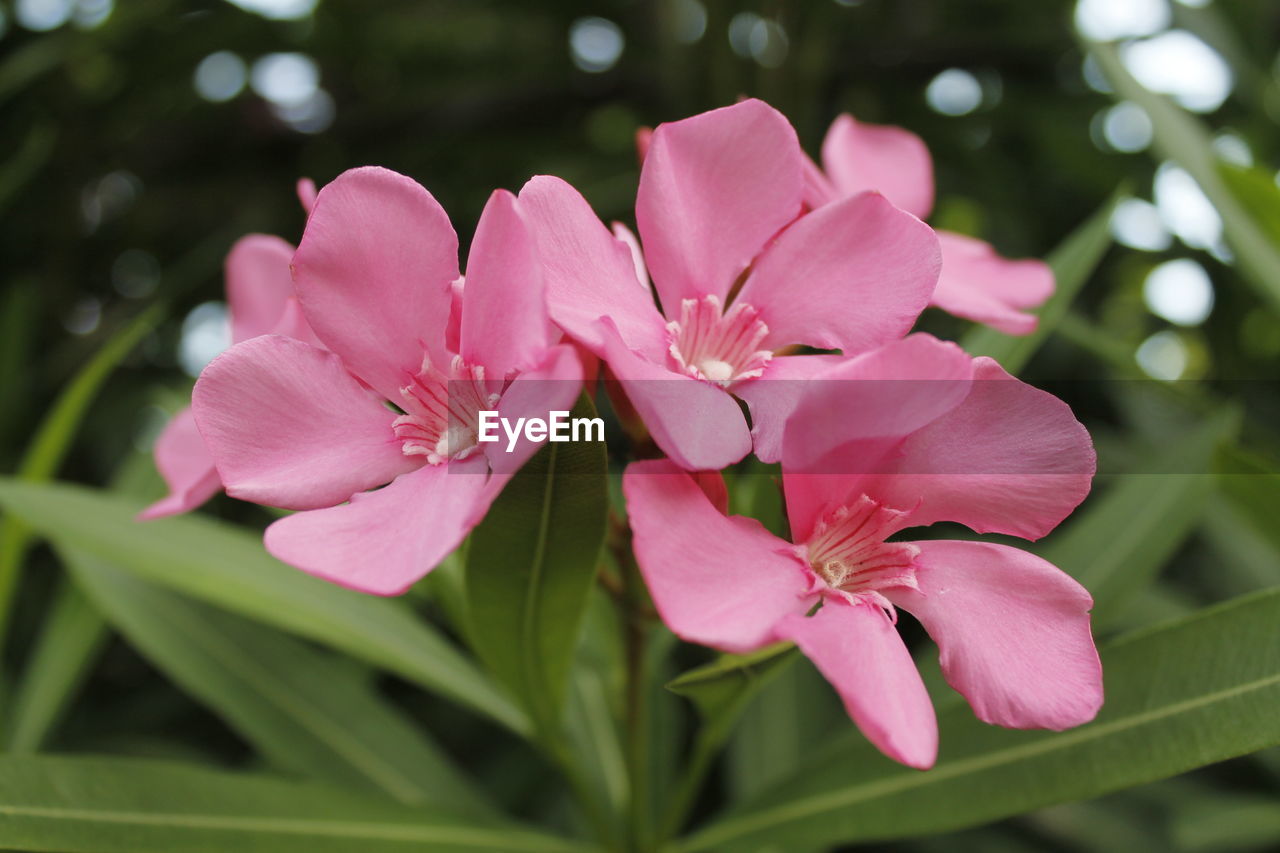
(307, 711)
(782, 723)
(1119, 543)
(227, 566)
(70, 639)
(1258, 193)
(1184, 140)
(120, 805)
(530, 566)
(54, 436)
(720, 688)
(1252, 486)
(1179, 696)
(1216, 823)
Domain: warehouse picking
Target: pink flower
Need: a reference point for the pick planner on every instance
(305, 428)
(260, 301)
(975, 283)
(737, 276)
(926, 434)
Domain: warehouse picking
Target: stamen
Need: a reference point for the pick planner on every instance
(848, 552)
(442, 412)
(722, 348)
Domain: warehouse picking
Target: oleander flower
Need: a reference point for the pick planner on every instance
(392, 400)
(260, 301)
(975, 283)
(910, 434)
(738, 277)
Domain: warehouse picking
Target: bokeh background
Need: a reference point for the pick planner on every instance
(139, 139)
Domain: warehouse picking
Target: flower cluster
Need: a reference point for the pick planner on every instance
(756, 279)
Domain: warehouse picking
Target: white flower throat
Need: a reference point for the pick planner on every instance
(442, 413)
(717, 346)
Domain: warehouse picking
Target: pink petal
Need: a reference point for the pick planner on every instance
(553, 384)
(1010, 459)
(258, 284)
(818, 190)
(589, 273)
(774, 396)
(1013, 632)
(859, 156)
(505, 326)
(289, 427)
(712, 485)
(453, 329)
(644, 135)
(714, 189)
(306, 189)
(187, 468)
(849, 276)
(979, 285)
(373, 273)
(851, 419)
(697, 424)
(384, 541)
(857, 649)
(721, 581)
(627, 236)
(293, 324)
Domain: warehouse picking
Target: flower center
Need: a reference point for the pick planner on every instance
(848, 552)
(708, 343)
(442, 413)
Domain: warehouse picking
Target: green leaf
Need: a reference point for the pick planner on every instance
(530, 567)
(53, 439)
(1186, 141)
(307, 711)
(595, 691)
(721, 691)
(72, 635)
(1251, 485)
(1179, 696)
(1215, 823)
(227, 566)
(1118, 544)
(111, 805)
(1247, 559)
(1073, 261)
(25, 165)
(1257, 191)
(722, 687)
(784, 721)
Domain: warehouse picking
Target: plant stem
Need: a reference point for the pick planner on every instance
(637, 722)
(635, 611)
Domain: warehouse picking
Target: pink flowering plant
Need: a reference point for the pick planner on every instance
(755, 259)
(605, 499)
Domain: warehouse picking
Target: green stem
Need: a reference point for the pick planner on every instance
(637, 721)
(634, 608)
